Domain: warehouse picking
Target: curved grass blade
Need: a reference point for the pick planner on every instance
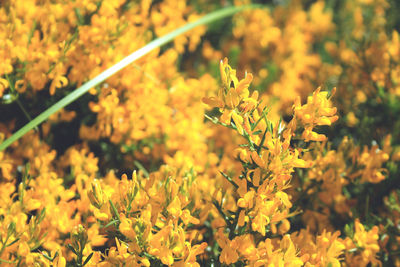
(213, 16)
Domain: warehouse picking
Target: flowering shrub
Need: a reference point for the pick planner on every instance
(179, 159)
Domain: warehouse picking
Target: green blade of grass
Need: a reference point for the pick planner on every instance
(213, 16)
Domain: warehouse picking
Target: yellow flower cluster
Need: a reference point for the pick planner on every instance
(268, 162)
(317, 111)
(285, 35)
(365, 243)
(166, 164)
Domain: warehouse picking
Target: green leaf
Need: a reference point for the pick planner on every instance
(115, 211)
(46, 256)
(88, 259)
(110, 223)
(69, 246)
(229, 179)
(13, 242)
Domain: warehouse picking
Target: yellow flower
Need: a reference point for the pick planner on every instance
(126, 228)
(96, 194)
(23, 249)
(317, 111)
(3, 86)
(174, 208)
(58, 82)
(364, 243)
(6, 165)
(289, 252)
(232, 99)
(229, 252)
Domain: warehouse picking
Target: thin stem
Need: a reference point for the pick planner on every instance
(229, 179)
(140, 167)
(25, 112)
(14, 92)
(115, 210)
(219, 14)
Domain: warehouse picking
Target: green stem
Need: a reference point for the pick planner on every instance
(15, 93)
(23, 110)
(216, 15)
(6, 261)
(140, 167)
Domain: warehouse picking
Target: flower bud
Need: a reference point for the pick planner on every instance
(95, 195)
